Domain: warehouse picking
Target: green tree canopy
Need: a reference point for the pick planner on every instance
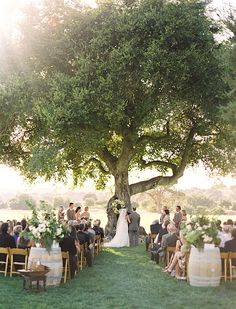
(127, 85)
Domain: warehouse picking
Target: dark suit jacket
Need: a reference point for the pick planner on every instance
(68, 244)
(230, 246)
(155, 228)
(99, 231)
(6, 241)
(83, 238)
(161, 233)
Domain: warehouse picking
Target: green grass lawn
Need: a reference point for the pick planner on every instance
(120, 278)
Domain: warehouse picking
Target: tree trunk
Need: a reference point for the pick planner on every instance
(122, 192)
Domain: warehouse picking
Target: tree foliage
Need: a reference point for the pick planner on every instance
(99, 92)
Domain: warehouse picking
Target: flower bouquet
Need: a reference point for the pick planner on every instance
(44, 227)
(200, 230)
(117, 205)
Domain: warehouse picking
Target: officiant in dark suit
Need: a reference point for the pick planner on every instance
(134, 222)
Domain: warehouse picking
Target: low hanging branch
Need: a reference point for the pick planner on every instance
(177, 171)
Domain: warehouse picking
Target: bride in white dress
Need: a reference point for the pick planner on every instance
(121, 238)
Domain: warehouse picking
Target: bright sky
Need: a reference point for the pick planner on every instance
(11, 180)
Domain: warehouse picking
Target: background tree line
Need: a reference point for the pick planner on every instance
(217, 200)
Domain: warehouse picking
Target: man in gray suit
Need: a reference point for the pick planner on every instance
(134, 222)
(70, 213)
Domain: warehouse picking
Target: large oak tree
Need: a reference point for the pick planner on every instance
(100, 92)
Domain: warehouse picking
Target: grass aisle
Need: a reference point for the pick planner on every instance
(120, 278)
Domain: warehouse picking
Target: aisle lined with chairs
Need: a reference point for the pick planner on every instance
(120, 278)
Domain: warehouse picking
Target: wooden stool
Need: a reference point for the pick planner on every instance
(30, 276)
(31, 279)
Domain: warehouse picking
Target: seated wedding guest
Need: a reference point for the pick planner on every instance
(1, 222)
(16, 232)
(23, 243)
(78, 213)
(70, 213)
(23, 224)
(68, 243)
(73, 224)
(171, 238)
(10, 226)
(98, 230)
(14, 222)
(101, 229)
(156, 248)
(230, 245)
(85, 214)
(90, 231)
(162, 232)
(61, 214)
(230, 222)
(84, 239)
(154, 229)
(168, 240)
(224, 235)
(178, 262)
(6, 240)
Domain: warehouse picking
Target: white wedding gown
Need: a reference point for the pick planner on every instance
(121, 238)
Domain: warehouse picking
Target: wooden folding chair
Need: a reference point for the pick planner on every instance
(6, 252)
(224, 258)
(185, 274)
(66, 265)
(232, 255)
(16, 252)
(82, 259)
(97, 244)
(169, 252)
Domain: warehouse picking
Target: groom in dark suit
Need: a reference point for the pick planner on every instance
(134, 222)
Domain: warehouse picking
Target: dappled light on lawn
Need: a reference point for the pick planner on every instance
(114, 252)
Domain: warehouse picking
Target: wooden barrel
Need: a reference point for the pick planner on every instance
(204, 266)
(52, 259)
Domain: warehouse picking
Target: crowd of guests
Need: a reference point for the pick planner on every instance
(168, 233)
(82, 232)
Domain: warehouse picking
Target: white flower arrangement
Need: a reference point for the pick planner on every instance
(117, 205)
(200, 230)
(44, 226)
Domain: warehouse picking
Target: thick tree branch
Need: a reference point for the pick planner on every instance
(185, 156)
(108, 158)
(143, 186)
(149, 184)
(170, 165)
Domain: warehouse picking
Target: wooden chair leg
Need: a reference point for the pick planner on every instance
(230, 270)
(225, 270)
(65, 271)
(11, 267)
(6, 265)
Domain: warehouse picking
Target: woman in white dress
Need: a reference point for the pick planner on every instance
(121, 238)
